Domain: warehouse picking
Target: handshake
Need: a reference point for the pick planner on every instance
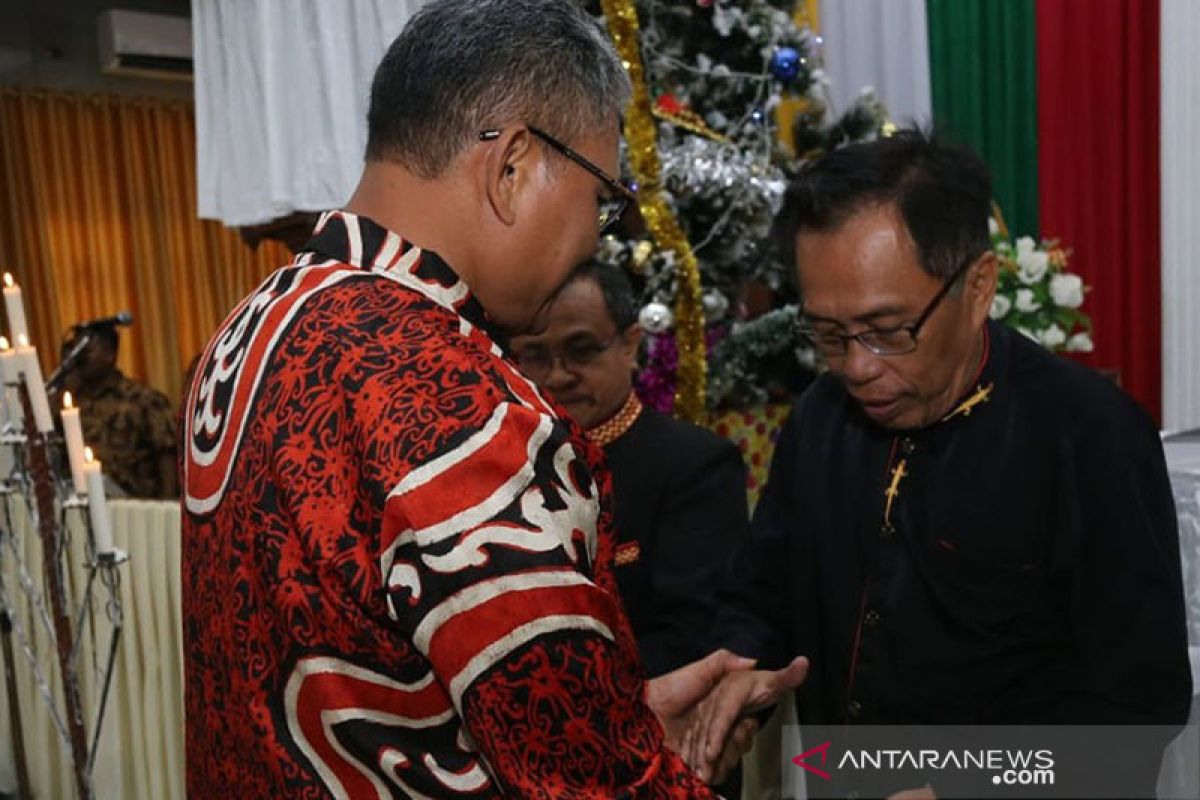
(705, 708)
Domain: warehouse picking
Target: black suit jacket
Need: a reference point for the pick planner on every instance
(680, 504)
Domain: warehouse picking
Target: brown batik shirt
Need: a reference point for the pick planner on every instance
(130, 427)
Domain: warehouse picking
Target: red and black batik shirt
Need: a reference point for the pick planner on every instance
(396, 561)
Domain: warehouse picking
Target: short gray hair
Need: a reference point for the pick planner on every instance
(463, 66)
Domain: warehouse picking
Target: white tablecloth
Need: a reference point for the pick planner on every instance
(1181, 771)
(141, 744)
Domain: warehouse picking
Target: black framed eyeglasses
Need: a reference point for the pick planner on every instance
(612, 207)
(881, 341)
(537, 360)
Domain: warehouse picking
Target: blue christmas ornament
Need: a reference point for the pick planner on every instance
(785, 64)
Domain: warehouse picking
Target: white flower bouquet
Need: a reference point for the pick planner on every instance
(1037, 295)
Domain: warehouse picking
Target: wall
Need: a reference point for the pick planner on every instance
(52, 44)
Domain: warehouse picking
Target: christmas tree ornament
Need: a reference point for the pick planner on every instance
(670, 108)
(785, 64)
(655, 318)
(610, 249)
(641, 253)
(700, 138)
(641, 134)
(715, 305)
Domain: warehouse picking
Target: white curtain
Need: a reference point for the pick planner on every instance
(281, 101)
(883, 44)
(1180, 116)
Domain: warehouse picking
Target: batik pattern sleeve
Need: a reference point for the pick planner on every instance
(488, 552)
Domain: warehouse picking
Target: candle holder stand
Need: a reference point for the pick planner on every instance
(58, 609)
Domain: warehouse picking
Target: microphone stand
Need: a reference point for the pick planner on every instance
(69, 360)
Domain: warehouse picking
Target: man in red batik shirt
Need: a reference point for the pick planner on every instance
(397, 558)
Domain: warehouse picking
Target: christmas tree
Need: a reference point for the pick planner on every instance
(713, 76)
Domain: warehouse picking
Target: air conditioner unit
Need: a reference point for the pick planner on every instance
(142, 45)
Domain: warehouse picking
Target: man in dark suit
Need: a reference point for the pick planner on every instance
(679, 490)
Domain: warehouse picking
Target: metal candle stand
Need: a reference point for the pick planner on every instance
(49, 500)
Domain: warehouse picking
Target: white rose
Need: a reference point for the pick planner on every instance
(1025, 245)
(1001, 305)
(1080, 343)
(993, 226)
(1028, 333)
(1054, 337)
(1025, 301)
(1067, 290)
(1031, 266)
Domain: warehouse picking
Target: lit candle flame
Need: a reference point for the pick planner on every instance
(8, 280)
(87, 455)
(22, 340)
(4, 345)
(68, 401)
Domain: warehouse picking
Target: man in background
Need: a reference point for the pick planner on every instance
(129, 426)
(679, 491)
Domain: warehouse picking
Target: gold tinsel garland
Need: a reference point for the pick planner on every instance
(641, 137)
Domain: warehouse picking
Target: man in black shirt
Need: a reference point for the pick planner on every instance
(959, 527)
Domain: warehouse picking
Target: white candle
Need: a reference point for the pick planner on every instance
(16, 308)
(8, 363)
(73, 434)
(27, 362)
(10, 376)
(97, 504)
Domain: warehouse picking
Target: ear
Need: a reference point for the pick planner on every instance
(631, 340)
(510, 167)
(981, 287)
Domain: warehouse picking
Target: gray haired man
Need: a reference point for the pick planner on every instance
(397, 557)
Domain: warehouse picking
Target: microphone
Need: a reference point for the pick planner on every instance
(82, 336)
(120, 318)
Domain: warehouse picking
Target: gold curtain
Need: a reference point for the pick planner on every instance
(98, 214)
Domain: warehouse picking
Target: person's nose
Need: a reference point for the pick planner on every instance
(860, 366)
(560, 376)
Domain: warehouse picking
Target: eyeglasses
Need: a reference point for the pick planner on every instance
(610, 208)
(880, 341)
(538, 360)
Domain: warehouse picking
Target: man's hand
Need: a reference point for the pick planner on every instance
(737, 744)
(740, 693)
(675, 696)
